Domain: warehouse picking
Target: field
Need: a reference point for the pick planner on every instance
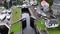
(16, 12)
(16, 26)
(54, 31)
(40, 24)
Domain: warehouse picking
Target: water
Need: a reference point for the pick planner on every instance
(28, 29)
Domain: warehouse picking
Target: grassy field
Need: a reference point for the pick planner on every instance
(16, 26)
(16, 12)
(40, 24)
(54, 31)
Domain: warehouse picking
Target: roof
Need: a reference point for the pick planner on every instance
(8, 17)
(2, 16)
(4, 11)
(53, 22)
(9, 10)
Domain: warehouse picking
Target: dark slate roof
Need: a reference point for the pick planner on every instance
(53, 22)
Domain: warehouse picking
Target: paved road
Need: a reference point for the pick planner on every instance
(28, 29)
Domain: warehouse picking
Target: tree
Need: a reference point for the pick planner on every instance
(50, 2)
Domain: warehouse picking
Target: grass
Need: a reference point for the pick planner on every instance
(40, 24)
(16, 27)
(16, 12)
(54, 31)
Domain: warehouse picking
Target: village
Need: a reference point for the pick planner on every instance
(29, 17)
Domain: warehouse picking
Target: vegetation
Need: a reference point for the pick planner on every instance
(40, 24)
(8, 5)
(16, 27)
(54, 31)
(16, 12)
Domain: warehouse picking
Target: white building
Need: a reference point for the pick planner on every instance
(4, 11)
(33, 2)
(51, 23)
(2, 17)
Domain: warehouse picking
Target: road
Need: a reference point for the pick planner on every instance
(28, 29)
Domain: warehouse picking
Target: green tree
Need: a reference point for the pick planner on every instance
(50, 2)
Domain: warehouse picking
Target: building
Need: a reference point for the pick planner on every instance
(2, 17)
(51, 23)
(33, 2)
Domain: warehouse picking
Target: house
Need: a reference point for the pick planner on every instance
(33, 2)
(2, 17)
(4, 11)
(51, 23)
